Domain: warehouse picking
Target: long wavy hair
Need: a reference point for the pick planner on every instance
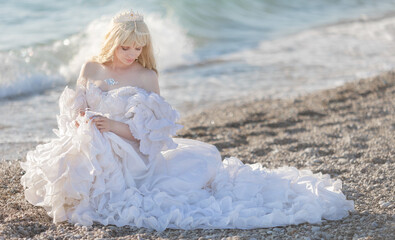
(128, 33)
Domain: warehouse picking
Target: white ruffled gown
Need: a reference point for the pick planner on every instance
(84, 176)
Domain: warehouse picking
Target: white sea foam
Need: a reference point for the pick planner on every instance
(20, 74)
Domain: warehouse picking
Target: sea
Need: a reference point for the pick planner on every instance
(208, 52)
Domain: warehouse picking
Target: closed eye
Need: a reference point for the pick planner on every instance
(127, 48)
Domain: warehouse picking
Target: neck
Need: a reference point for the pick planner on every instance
(118, 65)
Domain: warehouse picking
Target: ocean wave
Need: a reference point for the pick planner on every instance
(326, 56)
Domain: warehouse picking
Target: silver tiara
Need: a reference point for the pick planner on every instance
(128, 16)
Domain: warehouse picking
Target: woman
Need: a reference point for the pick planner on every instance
(115, 162)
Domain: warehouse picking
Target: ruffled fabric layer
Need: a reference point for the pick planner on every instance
(152, 121)
(163, 182)
(70, 104)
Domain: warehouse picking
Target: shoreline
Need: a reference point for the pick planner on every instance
(346, 132)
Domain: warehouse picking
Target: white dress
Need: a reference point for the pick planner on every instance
(84, 176)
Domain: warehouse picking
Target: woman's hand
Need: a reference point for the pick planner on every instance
(82, 113)
(103, 124)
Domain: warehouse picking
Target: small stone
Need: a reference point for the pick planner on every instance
(308, 150)
(315, 228)
(317, 234)
(326, 235)
(326, 227)
(277, 229)
(342, 161)
(318, 161)
(290, 229)
(385, 204)
(365, 212)
(375, 224)
(23, 231)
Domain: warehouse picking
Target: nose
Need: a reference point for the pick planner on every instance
(131, 56)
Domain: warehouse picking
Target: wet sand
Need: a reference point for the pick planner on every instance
(347, 132)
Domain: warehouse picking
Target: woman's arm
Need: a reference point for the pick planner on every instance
(122, 130)
(108, 125)
(151, 82)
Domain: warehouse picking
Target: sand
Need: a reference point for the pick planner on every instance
(347, 132)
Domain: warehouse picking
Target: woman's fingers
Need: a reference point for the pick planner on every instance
(100, 123)
(97, 118)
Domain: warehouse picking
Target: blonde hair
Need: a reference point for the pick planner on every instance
(128, 33)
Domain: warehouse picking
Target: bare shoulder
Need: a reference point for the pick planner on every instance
(89, 68)
(88, 71)
(150, 80)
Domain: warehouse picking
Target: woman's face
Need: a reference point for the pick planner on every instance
(127, 54)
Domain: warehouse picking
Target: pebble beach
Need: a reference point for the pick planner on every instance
(346, 132)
